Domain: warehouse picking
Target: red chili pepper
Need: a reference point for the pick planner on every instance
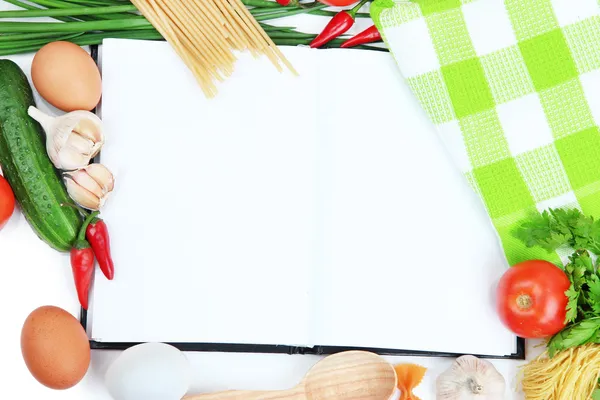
(97, 235)
(338, 25)
(82, 263)
(369, 35)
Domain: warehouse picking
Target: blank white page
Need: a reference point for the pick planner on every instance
(412, 258)
(212, 215)
(311, 210)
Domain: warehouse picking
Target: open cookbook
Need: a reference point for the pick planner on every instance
(285, 215)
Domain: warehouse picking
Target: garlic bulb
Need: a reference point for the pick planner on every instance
(73, 139)
(90, 186)
(470, 378)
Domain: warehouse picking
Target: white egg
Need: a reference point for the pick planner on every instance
(150, 371)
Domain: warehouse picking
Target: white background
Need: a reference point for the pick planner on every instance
(45, 279)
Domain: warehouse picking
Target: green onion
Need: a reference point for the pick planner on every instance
(64, 12)
(292, 35)
(26, 27)
(90, 17)
(30, 7)
(261, 3)
(285, 10)
(326, 13)
(52, 3)
(35, 42)
(270, 28)
(101, 3)
(333, 44)
(7, 37)
(296, 11)
(89, 22)
(88, 39)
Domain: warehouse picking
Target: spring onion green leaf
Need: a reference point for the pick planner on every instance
(26, 27)
(88, 22)
(62, 12)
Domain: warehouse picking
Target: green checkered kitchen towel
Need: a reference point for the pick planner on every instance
(513, 87)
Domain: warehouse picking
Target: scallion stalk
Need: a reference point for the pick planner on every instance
(270, 28)
(100, 3)
(333, 44)
(261, 3)
(54, 4)
(27, 6)
(89, 22)
(88, 39)
(15, 37)
(30, 27)
(36, 42)
(286, 13)
(66, 12)
(326, 13)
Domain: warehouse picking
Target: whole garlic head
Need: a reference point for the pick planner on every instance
(470, 378)
(73, 139)
(89, 187)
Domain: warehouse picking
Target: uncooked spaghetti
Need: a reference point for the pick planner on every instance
(205, 33)
(571, 374)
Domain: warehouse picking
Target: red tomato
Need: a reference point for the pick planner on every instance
(7, 201)
(531, 299)
(338, 3)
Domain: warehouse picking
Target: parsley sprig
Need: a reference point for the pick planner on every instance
(555, 228)
(569, 228)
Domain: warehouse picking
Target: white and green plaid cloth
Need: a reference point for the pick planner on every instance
(513, 87)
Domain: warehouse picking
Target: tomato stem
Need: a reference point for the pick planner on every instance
(524, 301)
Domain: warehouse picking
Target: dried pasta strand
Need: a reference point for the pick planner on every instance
(255, 50)
(163, 27)
(569, 375)
(198, 69)
(199, 46)
(266, 37)
(205, 34)
(232, 25)
(213, 16)
(212, 32)
(252, 34)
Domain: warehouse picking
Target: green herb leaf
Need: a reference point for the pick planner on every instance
(572, 305)
(544, 231)
(556, 228)
(575, 335)
(556, 343)
(593, 298)
(581, 260)
(596, 394)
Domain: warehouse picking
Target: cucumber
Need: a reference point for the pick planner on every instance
(37, 185)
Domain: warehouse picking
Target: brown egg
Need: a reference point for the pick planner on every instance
(55, 347)
(66, 76)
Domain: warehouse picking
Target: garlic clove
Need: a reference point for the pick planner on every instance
(82, 196)
(89, 130)
(90, 186)
(96, 149)
(80, 144)
(470, 378)
(83, 179)
(102, 175)
(77, 131)
(68, 159)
